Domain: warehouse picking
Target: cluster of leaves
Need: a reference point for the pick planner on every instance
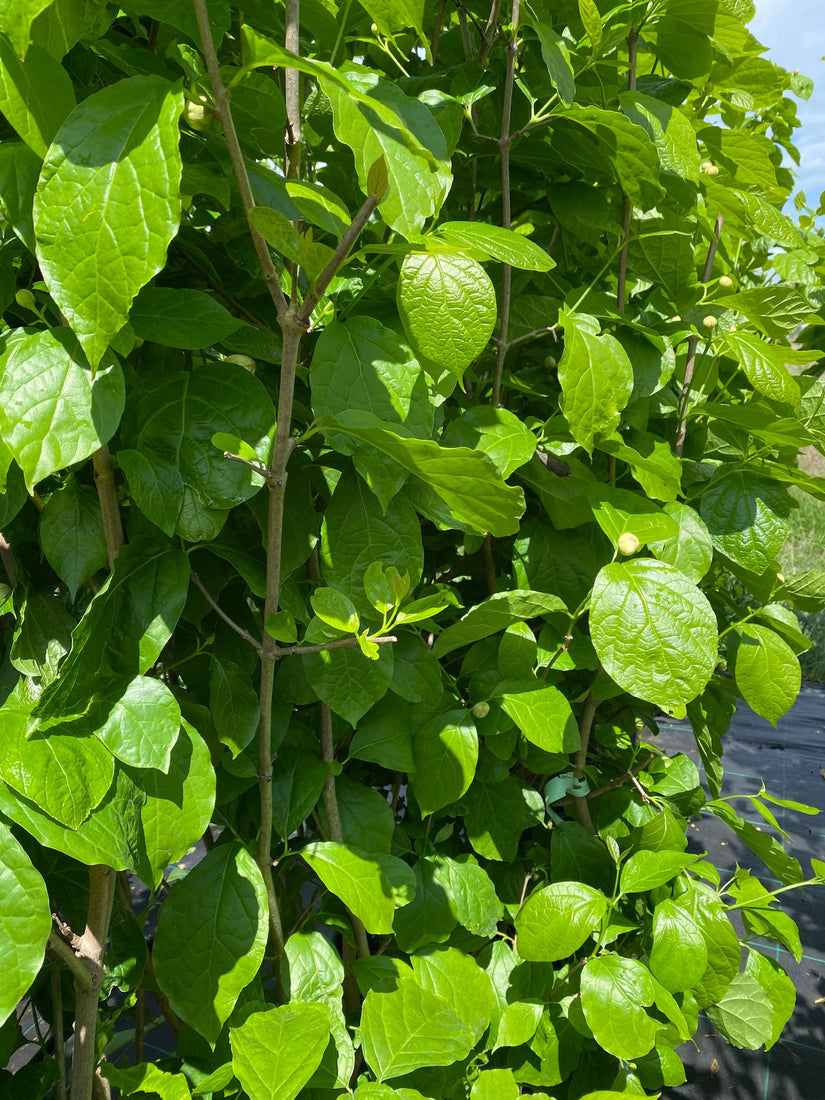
(520, 285)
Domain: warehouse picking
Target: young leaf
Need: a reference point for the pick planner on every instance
(491, 242)
(596, 379)
(614, 994)
(766, 670)
(446, 753)
(371, 885)
(275, 1051)
(556, 920)
(335, 609)
(22, 941)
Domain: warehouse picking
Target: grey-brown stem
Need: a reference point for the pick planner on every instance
(91, 947)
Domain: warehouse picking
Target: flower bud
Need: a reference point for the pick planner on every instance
(710, 321)
(243, 361)
(26, 299)
(708, 168)
(725, 281)
(481, 710)
(197, 115)
(628, 543)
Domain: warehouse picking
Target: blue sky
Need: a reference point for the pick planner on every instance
(794, 32)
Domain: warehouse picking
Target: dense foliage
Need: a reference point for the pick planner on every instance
(395, 417)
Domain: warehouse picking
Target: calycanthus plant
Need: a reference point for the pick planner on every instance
(367, 494)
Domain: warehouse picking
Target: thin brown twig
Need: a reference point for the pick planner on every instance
(230, 622)
(580, 759)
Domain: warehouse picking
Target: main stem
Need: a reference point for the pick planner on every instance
(627, 205)
(90, 950)
(580, 760)
(505, 143)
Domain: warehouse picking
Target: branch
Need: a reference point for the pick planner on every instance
(253, 641)
(580, 759)
(627, 206)
(222, 110)
(104, 473)
(91, 948)
(505, 144)
(292, 93)
(341, 252)
(322, 647)
(489, 36)
(70, 961)
(8, 560)
(693, 344)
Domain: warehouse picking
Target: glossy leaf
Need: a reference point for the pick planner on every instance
(118, 150)
(409, 1028)
(596, 380)
(541, 712)
(72, 536)
(654, 631)
(614, 994)
(275, 1051)
(742, 1015)
(178, 477)
(445, 751)
(371, 885)
(495, 614)
(55, 412)
(180, 318)
(557, 919)
(36, 93)
(25, 922)
(211, 938)
(496, 432)
(691, 550)
(142, 726)
(491, 242)
(448, 307)
(766, 670)
(679, 956)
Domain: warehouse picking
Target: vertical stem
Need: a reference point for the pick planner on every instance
(693, 344)
(627, 206)
(57, 1030)
(104, 470)
(439, 20)
(90, 950)
(489, 36)
(8, 560)
(505, 142)
(580, 759)
(292, 93)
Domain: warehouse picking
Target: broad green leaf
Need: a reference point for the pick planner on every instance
(742, 1015)
(370, 884)
(804, 590)
(690, 550)
(654, 631)
(147, 1078)
(43, 635)
(367, 822)
(233, 702)
(383, 122)
(320, 206)
(747, 517)
(142, 727)
(766, 365)
(670, 131)
(409, 1028)
(448, 307)
(178, 804)
(18, 16)
(117, 152)
(775, 310)
(25, 922)
(211, 938)
(19, 169)
(449, 973)
(497, 432)
(364, 365)
(596, 379)
(64, 775)
(297, 783)
(312, 969)
(391, 15)
(494, 614)
(470, 893)
(496, 816)
(186, 319)
(446, 753)
(384, 735)
(619, 510)
(614, 993)
(766, 670)
(278, 231)
(721, 942)
(123, 631)
(556, 57)
(655, 467)
(491, 242)
(335, 609)
(347, 681)
(495, 1084)
(645, 870)
(36, 94)
(429, 917)
(592, 22)
(541, 712)
(71, 534)
(679, 956)
(557, 919)
(111, 834)
(55, 411)
(177, 476)
(465, 480)
(777, 987)
(275, 1051)
(356, 532)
